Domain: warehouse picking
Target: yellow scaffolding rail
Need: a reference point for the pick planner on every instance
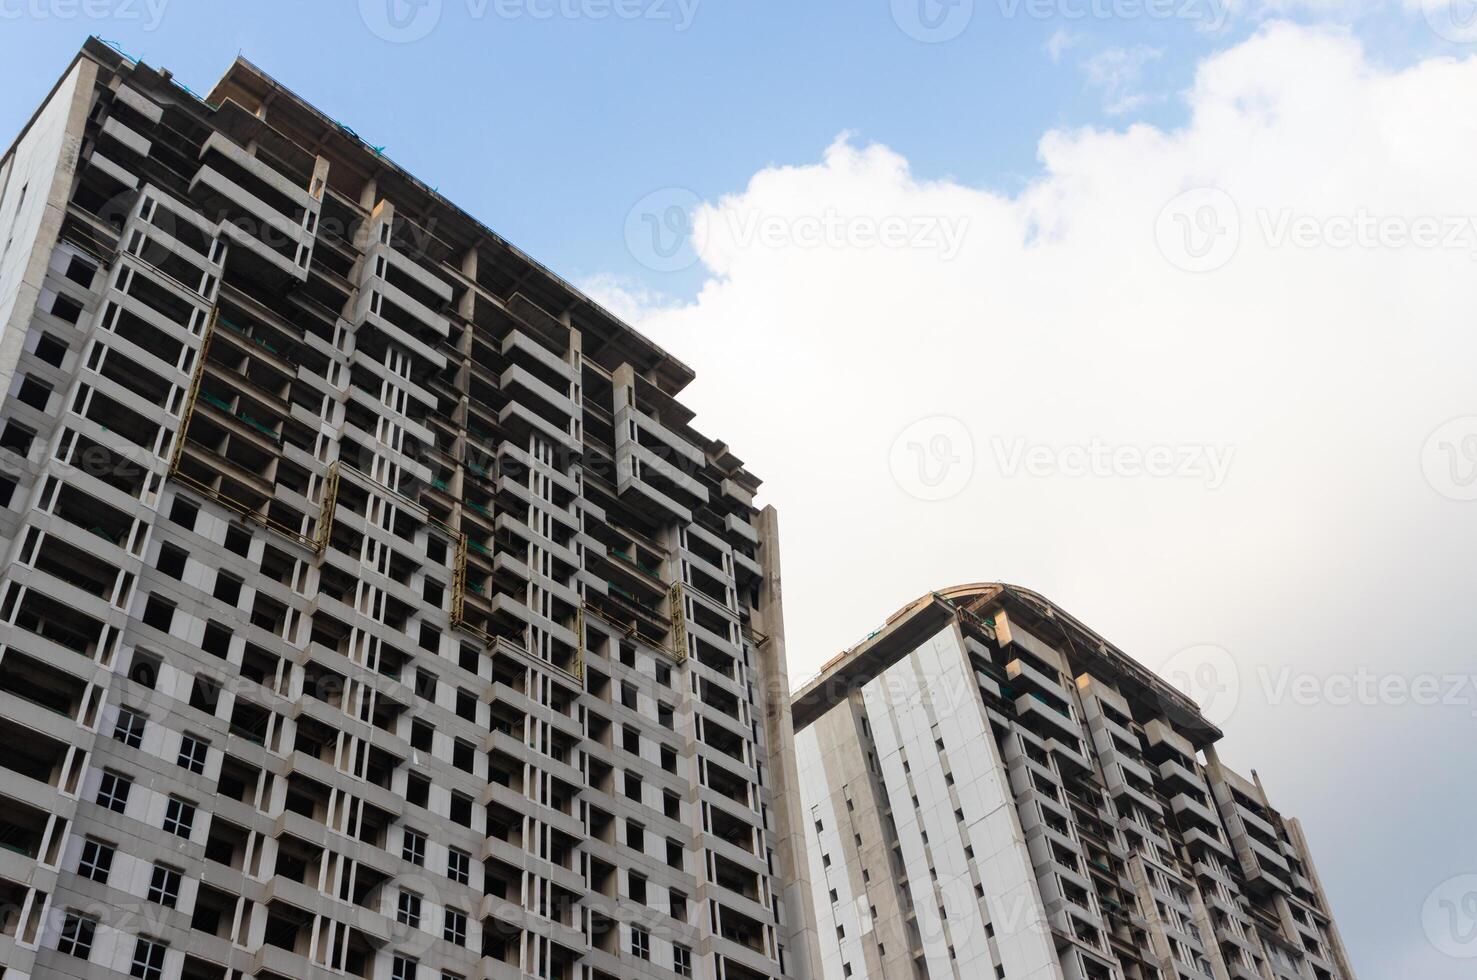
(459, 618)
(326, 509)
(188, 412)
(679, 624)
(459, 583)
(579, 634)
(459, 595)
(316, 543)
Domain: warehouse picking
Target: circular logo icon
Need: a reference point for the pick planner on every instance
(932, 21)
(1452, 20)
(1449, 459)
(662, 229)
(933, 459)
(1450, 917)
(1199, 230)
(417, 904)
(400, 21)
(152, 224)
(1208, 675)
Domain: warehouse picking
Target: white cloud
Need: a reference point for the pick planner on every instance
(1061, 325)
(629, 299)
(1320, 11)
(1060, 41)
(1117, 72)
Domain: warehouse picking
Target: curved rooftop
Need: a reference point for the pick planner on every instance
(1086, 650)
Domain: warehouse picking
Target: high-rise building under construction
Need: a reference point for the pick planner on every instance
(992, 790)
(370, 605)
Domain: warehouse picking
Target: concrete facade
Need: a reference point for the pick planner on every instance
(370, 605)
(990, 789)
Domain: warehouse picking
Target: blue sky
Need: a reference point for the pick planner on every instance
(551, 128)
(1343, 539)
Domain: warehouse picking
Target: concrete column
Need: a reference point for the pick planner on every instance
(468, 304)
(792, 867)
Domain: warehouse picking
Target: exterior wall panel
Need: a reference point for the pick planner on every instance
(326, 617)
(1048, 810)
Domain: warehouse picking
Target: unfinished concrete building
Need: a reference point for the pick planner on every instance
(370, 606)
(992, 790)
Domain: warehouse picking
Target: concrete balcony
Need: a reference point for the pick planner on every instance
(758, 961)
(251, 223)
(1158, 732)
(115, 129)
(113, 169)
(1267, 856)
(507, 523)
(1025, 676)
(1047, 861)
(1033, 797)
(696, 560)
(1187, 808)
(736, 493)
(1060, 908)
(1173, 775)
(1069, 755)
(746, 566)
(258, 207)
(1021, 767)
(1152, 834)
(628, 417)
(407, 306)
(285, 963)
(1108, 729)
(1199, 837)
(1117, 762)
(289, 193)
(741, 528)
(145, 107)
(1124, 789)
(1238, 970)
(433, 293)
(519, 347)
(364, 314)
(557, 404)
(520, 419)
(1255, 821)
(662, 481)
